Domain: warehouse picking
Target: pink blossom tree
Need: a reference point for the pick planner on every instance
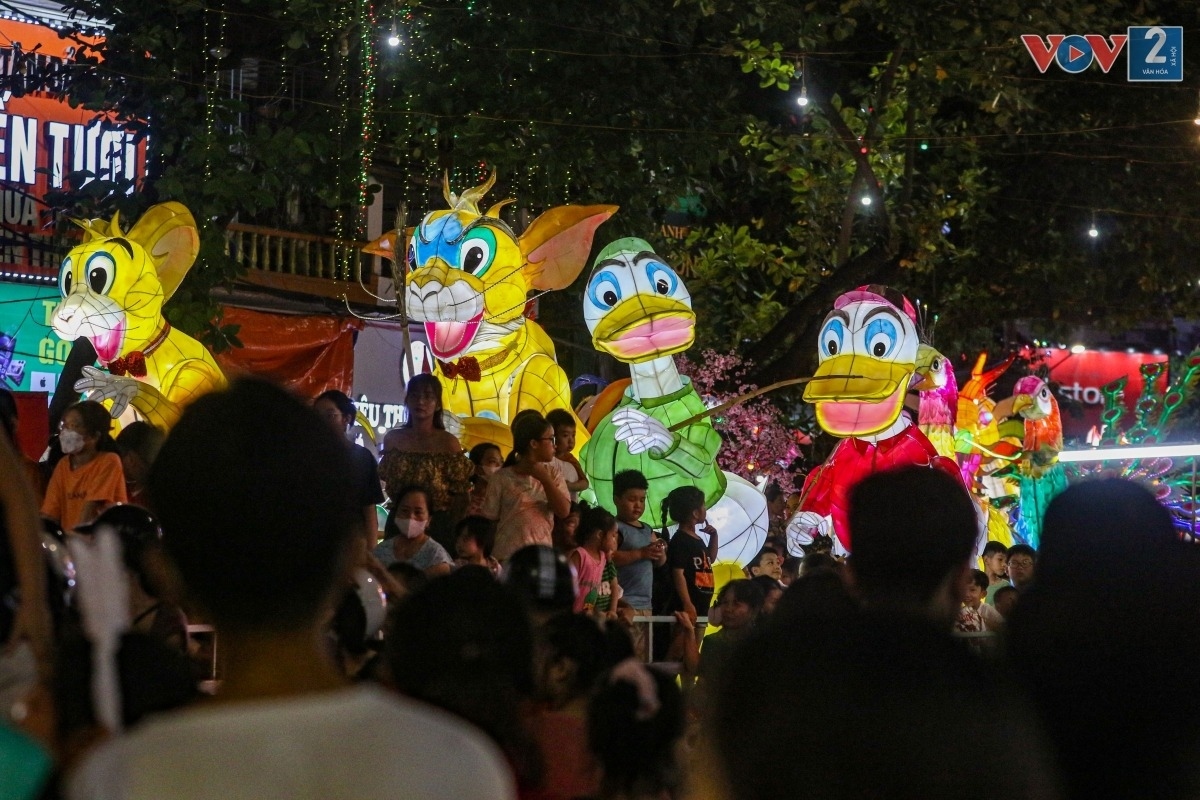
(757, 443)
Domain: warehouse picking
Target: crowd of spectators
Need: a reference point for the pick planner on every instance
(497, 636)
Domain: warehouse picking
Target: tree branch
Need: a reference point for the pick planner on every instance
(788, 349)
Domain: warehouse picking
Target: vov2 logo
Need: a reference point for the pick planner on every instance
(1155, 52)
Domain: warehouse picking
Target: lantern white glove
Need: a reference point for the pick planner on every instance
(803, 528)
(641, 432)
(100, 385)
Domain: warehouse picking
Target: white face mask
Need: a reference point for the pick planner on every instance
(70, 441)
(410, 528)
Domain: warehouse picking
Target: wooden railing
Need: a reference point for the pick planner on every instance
(303, 254)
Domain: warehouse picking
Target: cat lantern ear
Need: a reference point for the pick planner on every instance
(168, 233)
(556, 244)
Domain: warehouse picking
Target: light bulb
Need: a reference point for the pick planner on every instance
(393, 39)
(1092, 232)
(802, 100)
(866, 200)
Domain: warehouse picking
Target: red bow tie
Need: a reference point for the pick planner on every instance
(466, 367)
(133, 364)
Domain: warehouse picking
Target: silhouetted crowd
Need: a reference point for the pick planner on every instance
(222, 619)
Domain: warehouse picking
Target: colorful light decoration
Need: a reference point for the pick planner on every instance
(114, 286)
(1167, 470)
(468, 281)
(871, 336)
(640, 312)
(1097, 454)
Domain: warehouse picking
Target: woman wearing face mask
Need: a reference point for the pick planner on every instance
(90, 477)
(406, 539)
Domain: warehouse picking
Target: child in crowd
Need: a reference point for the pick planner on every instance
(474, 538)
(596, 538)
(564, 460)
(768, 563)
(635, 721)
(487, 459)
(740, 602)
(688, 556)
(772, 593)
(1022, 563)
(405, 537)
(564, 529)
(639, 551)
(975, 616)
(525, 498)
(90, 478)
(995, 566)
(790, 570)
(1005, 600)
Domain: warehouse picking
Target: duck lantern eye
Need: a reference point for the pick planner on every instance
(604, 290)
(832, 336)
(881, 337)
(661, 277)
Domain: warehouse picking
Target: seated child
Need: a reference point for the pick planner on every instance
(473, 540)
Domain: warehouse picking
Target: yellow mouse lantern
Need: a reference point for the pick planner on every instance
(469, 276)
(113, 287)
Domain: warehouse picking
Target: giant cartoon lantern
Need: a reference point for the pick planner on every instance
(640, 312)
(468, 281)
(1042, 477)
(938, 391)
(113, 287)
(868, 357)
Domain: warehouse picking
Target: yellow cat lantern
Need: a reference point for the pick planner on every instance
(113, 287)
(469, 276)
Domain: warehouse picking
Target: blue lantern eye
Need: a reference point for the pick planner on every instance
(832, 337)
(662, 277)
(881, 337)
(604, 291)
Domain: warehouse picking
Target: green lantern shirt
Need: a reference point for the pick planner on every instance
(690, 461)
